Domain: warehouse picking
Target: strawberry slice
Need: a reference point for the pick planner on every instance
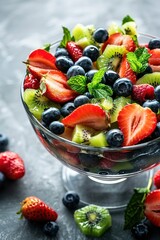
(54, 86)
(155, 57)
(136, 123)
(91, 115)
(114, 39)
(74, 50)
(128, 43)
(126, 71)
(152, 207)
(42, 59)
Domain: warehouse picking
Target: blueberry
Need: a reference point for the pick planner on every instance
(92, 52)
(157, 93)
(80, 100)
(50, 115)
(115, 137)
(50, 229)
(89, 160)
(67, 108)
(4, 141)
(122, 87)
(56, 127)
(146, 71)
(71, 200)
(141, 231)
(75, 70)
(90, 96)
(85, 63)
(154, 105)
(100, 35)
(61, 52)
(154, 43)
(63, 63)
(90, 75)
(110, 77)
(156, 132)
(105, 172)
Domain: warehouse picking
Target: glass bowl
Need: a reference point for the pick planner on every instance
(104, 176)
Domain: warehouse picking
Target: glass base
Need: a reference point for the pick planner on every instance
(114, 194)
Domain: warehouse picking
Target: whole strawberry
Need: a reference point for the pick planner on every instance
(34, 209)
(142, 92)
(74, 50)
(12, 165)
(156, 179)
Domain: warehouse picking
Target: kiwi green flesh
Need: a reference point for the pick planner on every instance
(150, 78)
(93, 220)
(37, 102)
(129, 28)
(82, 133)
(98, 140)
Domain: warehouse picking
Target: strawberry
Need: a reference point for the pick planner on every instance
(136, 123)
(42, 59)
(74, 50)
(128, 43)
(55, 87)
(142, 92)
(155, 57)
(31, 82)
(126, 71)
(12, 165)
(152, 207)
(34, 209)
(156, 179)
(91, 115)
(114, 39)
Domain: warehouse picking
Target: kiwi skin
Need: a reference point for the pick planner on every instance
(93, 220)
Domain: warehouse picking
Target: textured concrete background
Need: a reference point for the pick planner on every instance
(25, 25)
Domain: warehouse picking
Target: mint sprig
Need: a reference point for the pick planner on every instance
(127, 19)
(138, 60)
(47, 47)
(66, 37)
(96, 88)
(134, 212)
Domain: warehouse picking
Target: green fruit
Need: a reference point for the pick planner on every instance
(79, 31)
(99, 140)
(114, 28)
(150, 78)
(93, 220)
(105, 103)
(118, 104)
(129, 28)
(82, 133)
(83, 42)
(37, 103)
(122, 166)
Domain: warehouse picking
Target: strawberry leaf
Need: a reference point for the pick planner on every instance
(127, 19)
(66, 37)
(78, 83)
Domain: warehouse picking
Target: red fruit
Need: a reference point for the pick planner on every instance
(136, 123)
(12, 165)
(42, 59)
(155, 57)
(34, 209)
(114, 39)
(74, 50)
(91, 115)
(142, 92)
(125, 71)
(152, 207)
(55, 87)
(156, 179)
(31, 82)
(128, 43)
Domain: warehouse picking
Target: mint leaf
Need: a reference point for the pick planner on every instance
(98, 77)
(47, 47)
(134, 212)
(78, 83)
(127, 19)
(138, 60)
(66, 37)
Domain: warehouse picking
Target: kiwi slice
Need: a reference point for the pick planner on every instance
(36, 102)
(130, 28)
(93, 220)
(105, 103)
(82, 133)
(79, 31)
(114, 28)
(150, 78)
(99, 140)
(83, 42)
(118, 104)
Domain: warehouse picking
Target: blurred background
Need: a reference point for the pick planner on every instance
(24, 26)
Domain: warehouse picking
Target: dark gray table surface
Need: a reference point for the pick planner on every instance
(24, 26)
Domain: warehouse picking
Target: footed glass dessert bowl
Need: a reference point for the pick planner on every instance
(105, 176)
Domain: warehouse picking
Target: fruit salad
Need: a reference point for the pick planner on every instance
(97, 87)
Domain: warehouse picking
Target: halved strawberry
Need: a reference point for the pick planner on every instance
(152, 207)
(114, 39)
(52, 87)
(91, 115)
(74, 50)
(136, 123)
(42, 59)
(126, 71)
(142, 92)
(155, 57)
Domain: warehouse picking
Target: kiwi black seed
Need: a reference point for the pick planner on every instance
(82, 133)
(150, 78)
